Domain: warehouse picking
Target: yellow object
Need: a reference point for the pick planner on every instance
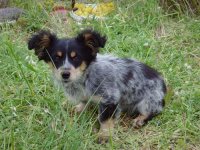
(98, 10)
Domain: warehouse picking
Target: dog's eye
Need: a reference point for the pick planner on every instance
(73, 56)
(59, 55)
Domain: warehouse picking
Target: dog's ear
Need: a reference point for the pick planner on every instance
(42, 42)
(92, 39)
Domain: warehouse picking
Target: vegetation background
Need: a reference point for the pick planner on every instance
(31, 112)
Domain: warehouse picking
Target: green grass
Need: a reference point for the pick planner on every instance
(31, 112)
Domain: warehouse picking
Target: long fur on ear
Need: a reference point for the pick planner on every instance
(41, 42)
(92, 39)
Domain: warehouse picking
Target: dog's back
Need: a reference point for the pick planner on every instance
(127, 82)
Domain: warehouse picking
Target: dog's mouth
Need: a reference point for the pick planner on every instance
(65, 80)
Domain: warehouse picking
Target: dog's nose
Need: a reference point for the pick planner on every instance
(65, 75)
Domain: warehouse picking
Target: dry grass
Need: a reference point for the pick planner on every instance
(191, 7)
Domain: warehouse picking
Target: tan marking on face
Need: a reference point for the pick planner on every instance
(59, 53)
(73, 54)
(75, 73)
(83, 66)
(106, 129)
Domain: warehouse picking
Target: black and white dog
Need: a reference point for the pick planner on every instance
(117, 84)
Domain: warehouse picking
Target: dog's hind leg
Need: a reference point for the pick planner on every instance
(147, 110)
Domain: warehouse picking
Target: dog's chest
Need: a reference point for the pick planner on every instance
(74, 91)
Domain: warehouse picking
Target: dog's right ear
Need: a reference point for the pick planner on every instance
(92, 39)
(42, 43)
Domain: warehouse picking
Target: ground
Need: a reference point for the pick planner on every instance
(31, 112)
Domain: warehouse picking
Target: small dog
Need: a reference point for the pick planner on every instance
(117, 84)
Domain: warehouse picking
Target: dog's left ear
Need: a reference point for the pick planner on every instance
(42, 42)
(92, 39)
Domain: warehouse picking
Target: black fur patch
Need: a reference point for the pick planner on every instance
(107, 111)
(128, 61)
(162, 103)
(164, 88)
(149, 72)
(128, 77)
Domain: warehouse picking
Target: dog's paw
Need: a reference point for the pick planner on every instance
(79, 108)
(139, 121)
(102, 139)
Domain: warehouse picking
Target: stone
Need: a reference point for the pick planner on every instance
(10, 14)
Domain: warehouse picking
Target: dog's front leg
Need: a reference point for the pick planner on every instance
(107, 116)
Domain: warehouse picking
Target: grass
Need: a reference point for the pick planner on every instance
(31, 112)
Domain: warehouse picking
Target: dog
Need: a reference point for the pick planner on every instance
(116, 84)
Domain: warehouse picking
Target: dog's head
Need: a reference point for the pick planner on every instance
(68, 57)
